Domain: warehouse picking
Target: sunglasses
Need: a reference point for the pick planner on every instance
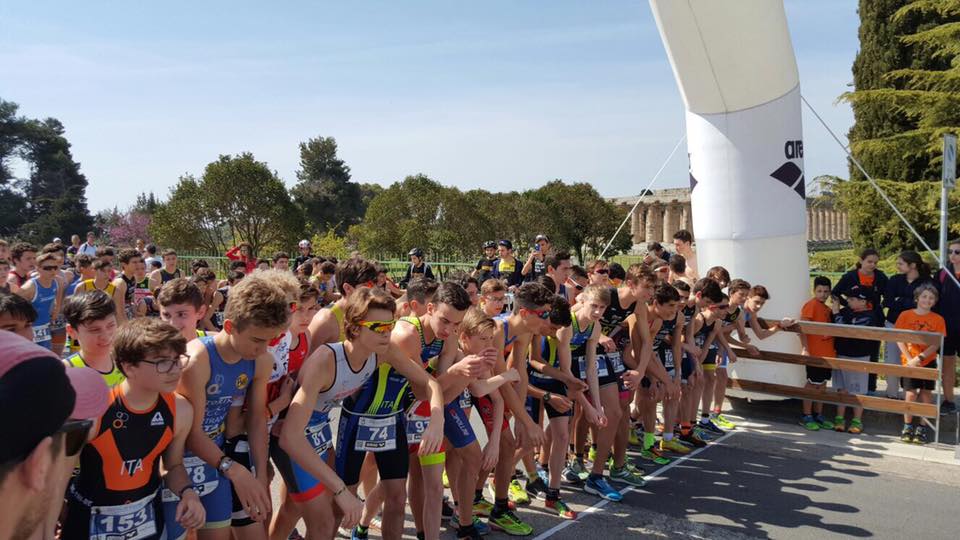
(48, 268)
(74, 435)
(543, 314)
(380, 327)
(165, 365)
(495, 299)
(955, 251)
(602, 271)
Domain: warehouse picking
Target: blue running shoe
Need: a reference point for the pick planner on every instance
(601, 488)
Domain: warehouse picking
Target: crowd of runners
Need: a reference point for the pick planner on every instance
(219, 383)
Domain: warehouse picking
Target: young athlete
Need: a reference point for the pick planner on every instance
(704, 333)
(92, 320)
(24, 259)
(181, 305)
(223, 369)
(168, 272)
(683, 244)
(17, 315)
(117, 491)
(493, 296)
(817, 310)
(4, 271)
(327, 326)
(103, 282)
(126, 283)
(43, 292)
(734, 319)
(920, 319)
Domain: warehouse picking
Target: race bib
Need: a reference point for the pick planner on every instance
(465, 400)
(124, 522)
(416, 425)
(376, 434)
(41, 333)
(319, 437)
(616, 362)
(666, 357)
(204, 478)
(601, 367)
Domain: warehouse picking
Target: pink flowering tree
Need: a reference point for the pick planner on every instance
(125, 228)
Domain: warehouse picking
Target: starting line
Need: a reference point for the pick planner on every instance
(603, 502)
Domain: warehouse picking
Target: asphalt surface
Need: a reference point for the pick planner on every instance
(760, 484)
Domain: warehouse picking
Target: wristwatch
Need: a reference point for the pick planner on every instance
(546, 397)
(224, 465)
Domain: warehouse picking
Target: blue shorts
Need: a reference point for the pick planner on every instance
(301, 485)
(723, 359)
(215, 492)
(456, 425)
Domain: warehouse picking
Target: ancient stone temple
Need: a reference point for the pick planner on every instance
(665, 211)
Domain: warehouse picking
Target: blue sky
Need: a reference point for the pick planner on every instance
(498, 95)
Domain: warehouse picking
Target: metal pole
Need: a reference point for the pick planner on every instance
(944, 194)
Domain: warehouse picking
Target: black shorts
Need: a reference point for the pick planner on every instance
(392, 464)
(686, 368)
(951, 343)
(818, 375)
(909, 384)
(238, 449)
(535, 408)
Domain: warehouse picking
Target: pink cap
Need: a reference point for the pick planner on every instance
(92, 393)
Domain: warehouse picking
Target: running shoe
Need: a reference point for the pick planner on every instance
(948, 407)
(633, 468)
(703, 434)
(543, 474)
(626, 476)
(711, 427)
(575, 472)
(446, 481)
(824, 423)
(592, 454)
(509, 523)
(492, 492)
(446, 509)
(471, 534)
(839, 424)
(537, 488)
(920, 435)
(856, 426)
(482, 507)
(654, 455)
(480, 526)
(359, 533)
(516, 493)
(810, 424)
(693, 439)
(377, 522)
(561, 509)
(601, 488)
(294, 535)
(907, 434)
(722, 422)
(673, 445)
(633, 439)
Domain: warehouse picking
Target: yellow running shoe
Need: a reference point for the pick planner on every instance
(673, 445)
(516, 493)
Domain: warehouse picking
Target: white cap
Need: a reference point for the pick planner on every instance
(304, 243)
(57, 239)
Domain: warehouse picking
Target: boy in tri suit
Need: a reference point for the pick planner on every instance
(91, 320)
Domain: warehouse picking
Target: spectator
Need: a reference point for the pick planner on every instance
(89, 247)
(40, 449)
(683, 244)
(281, 261)
(507, 267)
(949, 308)
(305, 254)
(655, 251)
(484, 268)
(150, 258)
(816, 310)
(874, 281)
(897, 298)
(243, 252)
(919, 319)
(535, 266)
(74, 246)
(418, 267)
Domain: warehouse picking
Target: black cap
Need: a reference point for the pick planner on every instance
(416, 252)
(506, 243)
(857, 292)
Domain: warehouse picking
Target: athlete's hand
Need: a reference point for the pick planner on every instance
(607, 343)
(190, 511)
(491, 454)
(560, 403)
(432, 438)
(351, 507)
(752, 349)
(287, 387)
(532, 435)
(595, 417)
(914, 362)
(511, 375)
(254, 497)
(673, 391)
(471, 366)
(575, 385)
(632, 378)
(694, 351)
(787, 322)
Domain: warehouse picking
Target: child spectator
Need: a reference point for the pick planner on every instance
(920, 319)
(816, 310)
(859, 312)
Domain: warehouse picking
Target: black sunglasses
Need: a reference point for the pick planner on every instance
(602, 271)
(955, 251)
(74, 435)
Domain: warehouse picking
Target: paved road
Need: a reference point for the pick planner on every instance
(759, 484)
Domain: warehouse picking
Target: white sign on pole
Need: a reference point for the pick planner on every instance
(949, 161)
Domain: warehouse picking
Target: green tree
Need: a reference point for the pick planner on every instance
(238, 199)
(907, 87)
(324, 193)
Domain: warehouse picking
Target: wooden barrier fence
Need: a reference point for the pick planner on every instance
(925, 411)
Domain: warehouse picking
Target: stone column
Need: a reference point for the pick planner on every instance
(834, 225)
(823, 225)
(844, 227)
(671, 221)
(686, 217)
(809, 224)
(638, 226)
(655, 222)
(815, 227)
